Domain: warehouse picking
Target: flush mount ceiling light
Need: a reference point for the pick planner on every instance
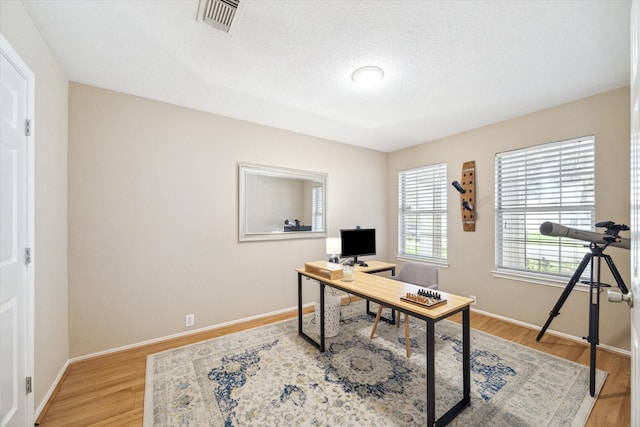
(368, 76)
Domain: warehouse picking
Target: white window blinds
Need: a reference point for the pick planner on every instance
(422, 213)
(550, 182)
(317, 214)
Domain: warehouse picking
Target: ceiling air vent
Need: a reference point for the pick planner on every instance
(219, 13)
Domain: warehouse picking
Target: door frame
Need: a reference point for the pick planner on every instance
(14, 58)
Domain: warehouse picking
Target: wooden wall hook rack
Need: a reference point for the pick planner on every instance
(467, 190)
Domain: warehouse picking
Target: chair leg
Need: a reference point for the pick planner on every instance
(375, 324)
(406, 334)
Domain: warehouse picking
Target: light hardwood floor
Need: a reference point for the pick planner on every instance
(109, 390)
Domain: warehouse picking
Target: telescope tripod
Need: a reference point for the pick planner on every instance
(594, 258)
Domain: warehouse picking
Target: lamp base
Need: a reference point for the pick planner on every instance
(334, 259)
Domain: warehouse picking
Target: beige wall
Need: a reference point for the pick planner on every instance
(471, 254)
(50, 126)
(153, 231)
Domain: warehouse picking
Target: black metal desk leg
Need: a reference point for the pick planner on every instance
(319, 346)
(393, 312)
(431, 374)
(299, 303)
(466, 355)
(391, 321)
(322, 285)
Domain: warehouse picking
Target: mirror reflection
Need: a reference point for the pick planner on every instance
(279, 203)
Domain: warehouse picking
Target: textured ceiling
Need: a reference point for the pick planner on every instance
(450, 66)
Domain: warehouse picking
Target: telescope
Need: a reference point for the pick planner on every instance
(609, 238)
(593, 257)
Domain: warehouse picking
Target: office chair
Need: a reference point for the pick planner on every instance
(422, 275)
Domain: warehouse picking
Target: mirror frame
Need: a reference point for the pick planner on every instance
(245, 169)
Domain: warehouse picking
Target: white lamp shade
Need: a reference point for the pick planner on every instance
(334, 245)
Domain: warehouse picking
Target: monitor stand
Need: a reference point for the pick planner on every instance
(356, 262)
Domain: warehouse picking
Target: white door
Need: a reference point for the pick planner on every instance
(16, 406)
(635, 214)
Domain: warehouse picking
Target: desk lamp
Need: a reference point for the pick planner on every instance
(334, 246)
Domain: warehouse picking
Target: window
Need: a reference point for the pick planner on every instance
(422, 213)
(550, 182)
(317, 202)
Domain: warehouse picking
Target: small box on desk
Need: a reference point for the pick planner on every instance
(325, 269)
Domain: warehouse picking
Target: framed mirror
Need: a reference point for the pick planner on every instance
(277, 203)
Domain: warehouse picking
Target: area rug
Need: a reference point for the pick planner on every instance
(269, 376)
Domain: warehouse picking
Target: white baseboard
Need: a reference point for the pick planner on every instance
(51, 390)
(55, 383)
(234, 322)
(182, 334)
(552, 332)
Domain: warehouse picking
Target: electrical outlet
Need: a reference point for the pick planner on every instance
(473, 297)
(189, 320)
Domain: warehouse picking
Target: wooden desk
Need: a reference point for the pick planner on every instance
(388, 292)
(378, 267)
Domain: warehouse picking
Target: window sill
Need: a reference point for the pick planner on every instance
(538, 279)
(430, 261)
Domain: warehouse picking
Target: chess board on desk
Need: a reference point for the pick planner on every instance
(425, 298)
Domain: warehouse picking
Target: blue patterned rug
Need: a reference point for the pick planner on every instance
(269, 376)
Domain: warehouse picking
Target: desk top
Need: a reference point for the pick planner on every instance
(374, 266)
(388, 292)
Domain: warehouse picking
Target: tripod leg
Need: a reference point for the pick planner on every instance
(592, 371)
(594, 315)
(616, 274)
(594, 320)
(567, 290)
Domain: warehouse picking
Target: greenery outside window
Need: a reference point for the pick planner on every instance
(550, 182)
(422, 213)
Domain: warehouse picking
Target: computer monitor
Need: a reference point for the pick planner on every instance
(358, 242)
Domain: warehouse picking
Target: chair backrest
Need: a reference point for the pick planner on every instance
(419, 274)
